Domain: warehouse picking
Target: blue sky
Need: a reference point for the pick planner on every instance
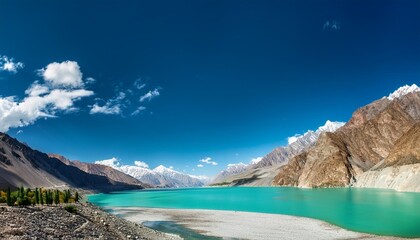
(229, 80)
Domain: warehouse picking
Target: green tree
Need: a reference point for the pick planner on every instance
(56, 197)
(9, 197)
(21, 192)
(36, 196)
(41, 198)
(76, 197)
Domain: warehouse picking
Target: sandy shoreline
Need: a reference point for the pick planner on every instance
(244, 225)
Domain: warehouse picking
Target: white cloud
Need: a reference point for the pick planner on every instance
(19, 132)
(64, 74)
(90, 80)
(141, 164)
(138, 84)
(41, 101)
(138, 110)
(111, 107)
(112, 162)
(331, 25)
(293, 139)
(208, 160)
(150, 95)
(9, 65)
(200, 165)
(105, 109)
(256, 160)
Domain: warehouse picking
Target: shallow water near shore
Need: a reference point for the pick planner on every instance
(376, 211)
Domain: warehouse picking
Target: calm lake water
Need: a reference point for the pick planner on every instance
(383, 212)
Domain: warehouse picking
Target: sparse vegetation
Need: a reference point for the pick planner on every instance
(70, 208)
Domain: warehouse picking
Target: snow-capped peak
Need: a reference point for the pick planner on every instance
(330, 126)
(403, 91)
(162, 169)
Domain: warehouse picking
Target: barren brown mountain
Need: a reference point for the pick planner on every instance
(21, 165)
(366, 140)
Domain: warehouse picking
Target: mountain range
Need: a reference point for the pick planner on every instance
(20, 165)
(262, 172)
(161, 176)
(378, 147)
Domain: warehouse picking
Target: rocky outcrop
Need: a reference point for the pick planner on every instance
(406, 150)
(54, 222)
(367, 139)
(21, 165)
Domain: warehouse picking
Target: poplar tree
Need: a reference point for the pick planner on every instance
(56, 197)
(41, 198)
(76, 197)
(9, 197)
(36, 196)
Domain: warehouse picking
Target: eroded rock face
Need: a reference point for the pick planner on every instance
(406, 150)
(366, 140)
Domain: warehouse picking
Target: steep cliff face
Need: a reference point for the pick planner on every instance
(366, 140)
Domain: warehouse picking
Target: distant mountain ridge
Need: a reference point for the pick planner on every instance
(101, 170)
(161, 176)
(21, 165)
(278, 156)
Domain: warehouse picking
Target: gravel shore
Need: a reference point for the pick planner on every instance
(54, 222)
(245, 225)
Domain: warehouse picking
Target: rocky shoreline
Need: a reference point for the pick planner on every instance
(54, 222)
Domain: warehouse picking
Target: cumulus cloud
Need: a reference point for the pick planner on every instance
(42, 100)
(331, 25)
(9, 65)
(141, 164)
(150, 95)
(208, 160)
(256, 160)
(64, 74)
(112, 162)
(293, 139)
(200, 165)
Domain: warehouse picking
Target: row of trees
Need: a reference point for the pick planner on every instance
(25, 197)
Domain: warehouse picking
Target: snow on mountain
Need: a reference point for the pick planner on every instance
(204, 179)
(235, 168)
(297, 144)
(403, 91)
(161, 176)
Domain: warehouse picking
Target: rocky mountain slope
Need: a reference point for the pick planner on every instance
(261, 172)
(101, 170)
(339, 158)
(401, 169)
(159, 177)
(21, 165)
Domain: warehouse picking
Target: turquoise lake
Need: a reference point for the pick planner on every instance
(382, 212)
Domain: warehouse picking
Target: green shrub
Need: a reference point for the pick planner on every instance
(3, 200)
(70, 208)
